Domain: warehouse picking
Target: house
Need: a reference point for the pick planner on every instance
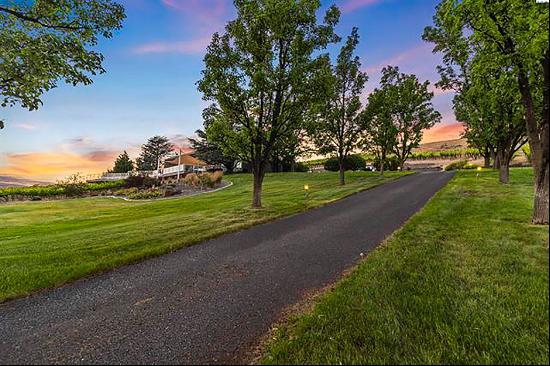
(180, 165)
(174, 167)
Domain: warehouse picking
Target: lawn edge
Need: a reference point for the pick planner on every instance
(311, 299)
(247, 226)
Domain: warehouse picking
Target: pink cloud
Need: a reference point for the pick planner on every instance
(408, 56)
(208, 11)
(351, 5)
(26, 126)
(201, 17)
(190, 47)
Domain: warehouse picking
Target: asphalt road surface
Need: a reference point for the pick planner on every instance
(212, 302)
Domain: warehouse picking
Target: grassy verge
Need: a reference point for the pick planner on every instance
(465, 281)
(44, 244)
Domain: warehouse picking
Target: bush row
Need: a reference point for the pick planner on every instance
(60, 189)
(461, 164)
(204, 180)
(352, 162)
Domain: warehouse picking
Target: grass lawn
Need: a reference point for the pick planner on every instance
(465, 281)
(44, 244)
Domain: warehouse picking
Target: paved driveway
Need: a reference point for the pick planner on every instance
(211, 302)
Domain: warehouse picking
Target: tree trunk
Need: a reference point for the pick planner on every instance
(540, 210)
(342, 171)
(496, 162)
(382, 167)
(259, 173)
(504, 171)
(538, 138)
(503, 158)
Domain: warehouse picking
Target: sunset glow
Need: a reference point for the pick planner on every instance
(149, 89)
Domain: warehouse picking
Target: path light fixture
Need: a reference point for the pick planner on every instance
(478, 170)
(306, 197)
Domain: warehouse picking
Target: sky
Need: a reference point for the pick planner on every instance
(153, 64)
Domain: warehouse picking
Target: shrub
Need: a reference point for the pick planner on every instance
(455, 165)
(217, 176)
(73, 185)
(461, 164)
(352, 162)
(192, 180)
(140, 181)
(391, 163)
(301, 168)
(148, 194)
(204, 180)
(105, 185)
(127, 191)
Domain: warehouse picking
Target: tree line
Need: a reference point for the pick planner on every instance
(274, 91)
(150, 158)
(496, 59)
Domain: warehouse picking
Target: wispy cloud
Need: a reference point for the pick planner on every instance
(26, 126)
(202, 17)
(409, 56)
(202, 10)
(348, 6)
(190, 47)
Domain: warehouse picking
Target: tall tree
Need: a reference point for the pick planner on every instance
(153, 153)
(123, 164)
(379, 127)
(339, 130)
(489, 104)
(411, 109)
(44, 41)
(516, 31)
(263, 73)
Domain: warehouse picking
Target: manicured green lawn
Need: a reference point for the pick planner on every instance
(44, 244)
(465, 281)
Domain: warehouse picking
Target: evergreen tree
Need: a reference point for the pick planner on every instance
(123, 163)
(153, 153)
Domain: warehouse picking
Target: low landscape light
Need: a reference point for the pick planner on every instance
(306, 187)
(478, 168)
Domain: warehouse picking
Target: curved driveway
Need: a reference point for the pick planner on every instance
(208, 303)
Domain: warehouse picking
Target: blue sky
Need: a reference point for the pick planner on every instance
(152, 66)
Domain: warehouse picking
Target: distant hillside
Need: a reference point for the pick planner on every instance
(7, 181)
(442, 146)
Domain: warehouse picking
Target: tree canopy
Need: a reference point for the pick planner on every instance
(378, 124)
(123, 164)
(262, 74)
(409, 103)
(338, 129)
(43, 42)
(510, 36)
(153, 152)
